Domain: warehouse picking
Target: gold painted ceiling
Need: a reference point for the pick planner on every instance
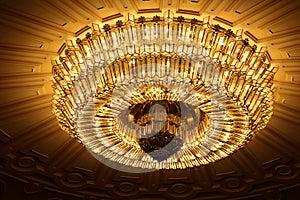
(40, 161)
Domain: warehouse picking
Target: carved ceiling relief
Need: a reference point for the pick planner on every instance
(38, 161)
(39, 177)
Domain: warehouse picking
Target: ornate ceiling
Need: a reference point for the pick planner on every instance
(40, 161)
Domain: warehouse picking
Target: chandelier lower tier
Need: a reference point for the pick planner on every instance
(162, 92)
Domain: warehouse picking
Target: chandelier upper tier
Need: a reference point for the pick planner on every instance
(162, 92)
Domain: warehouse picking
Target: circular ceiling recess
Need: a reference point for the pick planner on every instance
(162, 92)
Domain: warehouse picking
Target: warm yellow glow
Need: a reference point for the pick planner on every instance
(221, 82)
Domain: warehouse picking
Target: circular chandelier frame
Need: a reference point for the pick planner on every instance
(223, 75)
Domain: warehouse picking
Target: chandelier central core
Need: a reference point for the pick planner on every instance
(162, 92)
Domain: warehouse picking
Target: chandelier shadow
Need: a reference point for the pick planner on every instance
(162, 92)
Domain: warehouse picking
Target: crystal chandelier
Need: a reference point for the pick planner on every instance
(162, 92)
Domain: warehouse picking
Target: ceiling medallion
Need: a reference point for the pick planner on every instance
(162, 92)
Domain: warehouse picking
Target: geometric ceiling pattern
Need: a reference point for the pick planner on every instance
(40, 161)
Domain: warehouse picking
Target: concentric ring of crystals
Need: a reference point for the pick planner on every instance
(227, 79)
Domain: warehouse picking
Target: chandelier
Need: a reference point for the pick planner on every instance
(162, 92)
